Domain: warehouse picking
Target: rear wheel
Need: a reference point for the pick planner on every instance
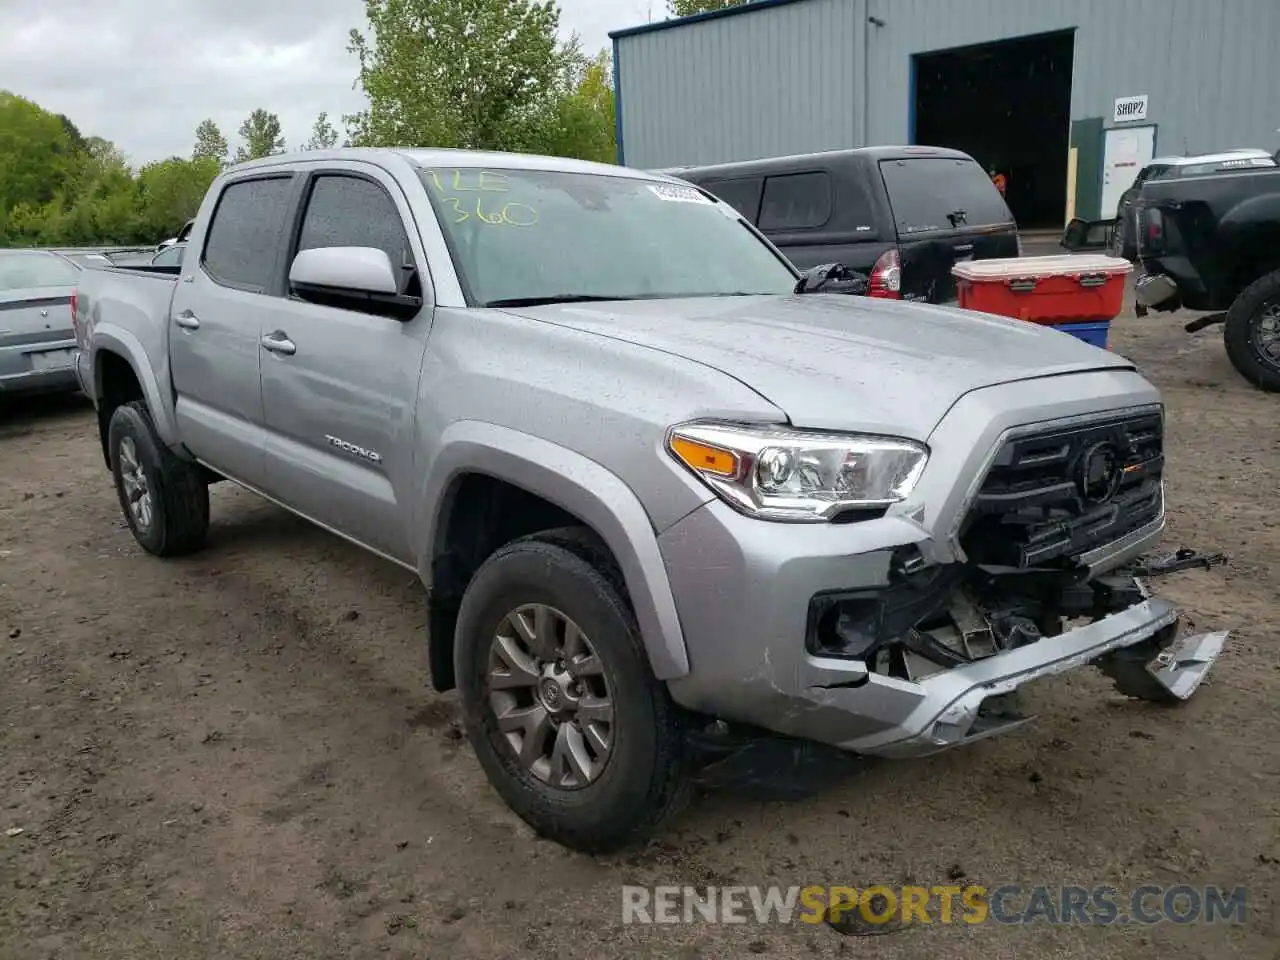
(1252, 333)
(561, 706)
(165, 500)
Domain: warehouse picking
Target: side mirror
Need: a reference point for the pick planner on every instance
(339, 270)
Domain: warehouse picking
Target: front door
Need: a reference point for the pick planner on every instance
(1125, 151)
(213, 340)
(339, 385)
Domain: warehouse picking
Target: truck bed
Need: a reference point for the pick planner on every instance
(137, 301)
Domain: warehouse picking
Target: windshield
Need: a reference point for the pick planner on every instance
(21, 271)
(941, 193)
(528, 236)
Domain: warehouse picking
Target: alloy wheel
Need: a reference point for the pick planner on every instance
(1266, 335)
(137, 490)
(548, 692)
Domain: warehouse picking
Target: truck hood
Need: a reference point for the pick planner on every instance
(841, 362)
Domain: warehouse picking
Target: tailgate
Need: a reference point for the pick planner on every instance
(946, 210)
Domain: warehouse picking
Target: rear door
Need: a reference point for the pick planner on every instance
(946, 210)
(213, 337)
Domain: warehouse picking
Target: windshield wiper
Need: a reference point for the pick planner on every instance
(550, 298)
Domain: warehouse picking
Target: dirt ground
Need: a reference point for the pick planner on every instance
(237, 755)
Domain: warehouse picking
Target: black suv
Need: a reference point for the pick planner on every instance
(902, 215)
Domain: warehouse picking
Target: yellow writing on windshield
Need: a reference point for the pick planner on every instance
(487, 209)
(470, 181)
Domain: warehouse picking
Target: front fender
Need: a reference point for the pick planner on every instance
(582, 487)
(116, 339)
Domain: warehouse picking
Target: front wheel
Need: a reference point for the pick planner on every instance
(1252, 333)
(561, 706)
(165, 499)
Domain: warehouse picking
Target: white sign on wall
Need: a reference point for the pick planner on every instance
(1129, 109)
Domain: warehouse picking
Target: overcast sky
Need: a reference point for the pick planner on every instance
(143, 73)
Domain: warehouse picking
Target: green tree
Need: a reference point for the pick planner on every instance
(578, 121)
(170, 192)
(261, 135)
(688, 8)
(323, 136)
(210, 143)
(35, 159)
(455, 73)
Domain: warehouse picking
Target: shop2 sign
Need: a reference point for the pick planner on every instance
(1129, 109)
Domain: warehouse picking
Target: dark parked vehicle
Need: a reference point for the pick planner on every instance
(1123, 239)
(904, 216)
(1212, 243)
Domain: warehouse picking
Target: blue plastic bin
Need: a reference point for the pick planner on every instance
(1094, 333)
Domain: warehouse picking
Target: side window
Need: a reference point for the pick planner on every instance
(346, 211)
(246, 232)
(168, 257)
(797, 201)
(743, 195)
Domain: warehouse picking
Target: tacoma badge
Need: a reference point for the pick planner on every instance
(370, 455)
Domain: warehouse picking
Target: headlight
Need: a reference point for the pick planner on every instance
(777, 473)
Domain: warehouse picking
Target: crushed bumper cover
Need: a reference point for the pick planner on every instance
(949, 713)
(752, 667)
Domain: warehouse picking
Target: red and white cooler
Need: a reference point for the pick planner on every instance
(1078, 294)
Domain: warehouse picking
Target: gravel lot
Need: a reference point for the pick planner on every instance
(236, 755)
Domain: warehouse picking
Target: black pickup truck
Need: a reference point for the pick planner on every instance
(903, 216)
(1213, 244)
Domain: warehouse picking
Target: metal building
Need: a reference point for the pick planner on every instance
(1090, 90)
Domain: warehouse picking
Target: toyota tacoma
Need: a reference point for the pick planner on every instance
(653, 483)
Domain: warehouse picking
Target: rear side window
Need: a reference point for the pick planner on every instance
(798, 201)
(346, 211)
(246, 232)
(940, 193)
(743, 195)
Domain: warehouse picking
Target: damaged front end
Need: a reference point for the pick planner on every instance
(1047, 585)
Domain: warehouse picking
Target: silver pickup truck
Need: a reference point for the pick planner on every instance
(658, 489)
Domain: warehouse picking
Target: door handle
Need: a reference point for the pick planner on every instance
(187, 320)
(278, 343)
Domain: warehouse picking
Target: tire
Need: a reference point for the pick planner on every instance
(1119, 247)
(642, 782)
(177, 522)
(1257, 304)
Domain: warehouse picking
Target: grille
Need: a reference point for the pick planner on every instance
(1050, 497)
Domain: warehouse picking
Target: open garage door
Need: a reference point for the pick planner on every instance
(1008, 104)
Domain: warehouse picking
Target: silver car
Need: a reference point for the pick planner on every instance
(37, 341)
